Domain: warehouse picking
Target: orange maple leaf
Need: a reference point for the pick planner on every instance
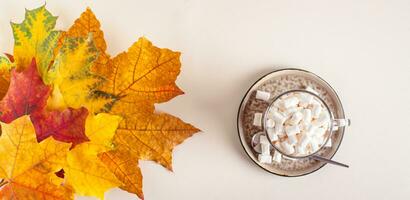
(28, 167)
(138, 78)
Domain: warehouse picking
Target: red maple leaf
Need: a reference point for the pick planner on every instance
(26, 94)
(67, 125)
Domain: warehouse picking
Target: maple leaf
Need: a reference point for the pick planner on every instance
(67, 125)
(126, 170)
(4, 86)
(144, 73)
(87, 24)
(26, 94)
(72, 79)
(5, 66)
(150, 138)
(153, 137)
(84, 171)
(138, 78)
(141, 77)
(28, 167)
(35, 38)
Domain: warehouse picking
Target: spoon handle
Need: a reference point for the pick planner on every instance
(316, 157)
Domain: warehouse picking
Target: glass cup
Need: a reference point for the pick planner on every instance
(333, 125)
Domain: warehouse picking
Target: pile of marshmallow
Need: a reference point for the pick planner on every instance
(297, 124)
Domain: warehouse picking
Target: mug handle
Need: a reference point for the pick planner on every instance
(336, 123)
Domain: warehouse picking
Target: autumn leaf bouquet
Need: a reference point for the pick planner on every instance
(75, 120)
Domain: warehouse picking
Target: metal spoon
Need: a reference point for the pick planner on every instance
(316, 157)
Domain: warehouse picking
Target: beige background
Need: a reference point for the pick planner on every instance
(361, 47)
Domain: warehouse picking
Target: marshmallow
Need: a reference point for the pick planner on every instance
(278, 103)
(304, 99)
(296, 117)
(282, 137)
(329, 143)
(320, 132)
(290, 111)
(322, 120)
(301, 150)
(292, 140)
(304, 141)
(263, 140)
(304, 126)
(265, 149)
(307, 115)
(279, 129)
(279, 118)
(287, 147)
(314, 145)
(277, 157)
(310, 89)
(292, 130)
(290, 102)
(267, 159)
(310, 130)
(262, 95)
(269, 115)
(257, 119)
(319, 140)
(270, 123)
(272, 134)
(317, 109)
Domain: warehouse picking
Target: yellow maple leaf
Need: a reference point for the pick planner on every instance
(35, 38)
(28, 167)
(74, 84)
(82, 27)
(84, 171)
